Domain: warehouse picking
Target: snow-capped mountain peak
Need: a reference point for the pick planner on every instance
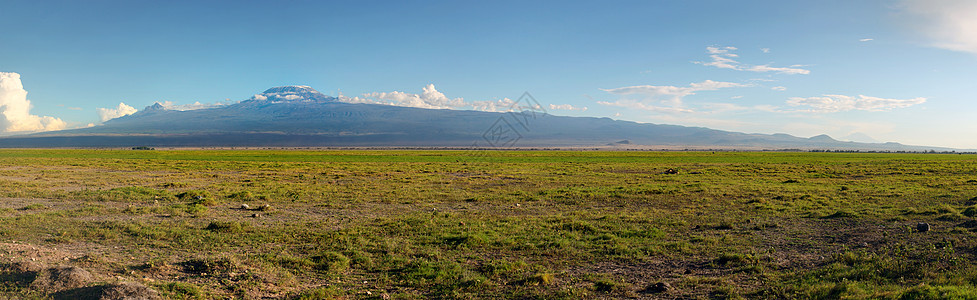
(292, 93)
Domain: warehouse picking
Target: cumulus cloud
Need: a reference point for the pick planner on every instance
(839, 103)
(169, 105)
(15, 108)
(501, 105)
(567, 107)
(951, 24)
(779, 88)
(723, 58)
(671, 94)
(344, 98)
(430, 98)
(105, 114)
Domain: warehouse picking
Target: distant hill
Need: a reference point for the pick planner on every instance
(300, 116)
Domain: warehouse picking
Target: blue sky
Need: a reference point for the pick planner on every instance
(891, 70)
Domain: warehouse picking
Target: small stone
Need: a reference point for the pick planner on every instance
(256, 216)
(245, 207)
(922, 227)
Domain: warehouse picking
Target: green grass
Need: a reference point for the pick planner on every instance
(411, 224)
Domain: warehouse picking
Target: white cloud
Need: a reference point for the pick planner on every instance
(343, 98)
(722, 58)
(765, 50)
(722, 62)
(767, 68)
(672, 94)
(838, 103)
(169, 105)
(951, 24)
(430, 98)
(866, 40)
(105, 114)
(504, 104)
(567, 107)
(779, 88)
(15, 108)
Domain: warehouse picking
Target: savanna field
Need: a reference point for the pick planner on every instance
(398, 224)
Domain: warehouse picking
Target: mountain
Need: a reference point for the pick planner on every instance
(300, 116)
(859, 137)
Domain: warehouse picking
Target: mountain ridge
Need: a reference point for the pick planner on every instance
(300, 116)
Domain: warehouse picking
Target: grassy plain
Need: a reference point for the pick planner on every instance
(492, 224)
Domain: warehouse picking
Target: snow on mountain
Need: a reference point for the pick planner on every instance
(292, 93)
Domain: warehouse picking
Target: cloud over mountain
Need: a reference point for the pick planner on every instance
(105, 114)
(15, 108)
(429, 98)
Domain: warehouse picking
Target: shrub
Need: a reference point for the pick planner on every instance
(193, 195)
(971, 211)
(201, 266)
(540, 279)
(608, 285)
(181, 290)
(332, 262)
(227, 226)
